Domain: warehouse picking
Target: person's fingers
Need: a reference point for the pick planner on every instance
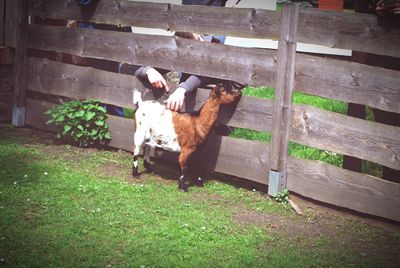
(164, 83)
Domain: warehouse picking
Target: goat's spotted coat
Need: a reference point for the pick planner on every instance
(159, 127)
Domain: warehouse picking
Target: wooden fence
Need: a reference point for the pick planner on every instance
(283, 69)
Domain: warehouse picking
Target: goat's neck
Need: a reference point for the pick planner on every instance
(208, 116)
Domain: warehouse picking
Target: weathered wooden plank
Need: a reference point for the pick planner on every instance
(11, 22)
(250, 112)
(56, 78)
(246, 159)
(35, 116)
(199, 19)
(251, 66)
(283, 97)
(343, 188)
(2, 10)
(237, 157)
(349, 82)
(342, 134)
(355, 31)
(361, 32)
(122, 131)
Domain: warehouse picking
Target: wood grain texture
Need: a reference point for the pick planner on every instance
(354, 31)
(344, 188)
(199, 19)
(349, 82)
(361, 32)
(11, 22)
(56, 78)
(284, 90)
(237, 157)
(35, 116)
(342, 134)
(245, 65)
(250, 112)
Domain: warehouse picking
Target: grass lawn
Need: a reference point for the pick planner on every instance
(62, 206)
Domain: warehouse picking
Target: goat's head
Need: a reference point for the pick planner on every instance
(227, 93)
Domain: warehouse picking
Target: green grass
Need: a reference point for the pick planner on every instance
(298, 150)
(62, 206)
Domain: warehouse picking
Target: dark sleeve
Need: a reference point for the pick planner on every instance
(141, 72)
(192, 83)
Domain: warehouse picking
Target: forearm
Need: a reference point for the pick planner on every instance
(141, 72)
(191, 83)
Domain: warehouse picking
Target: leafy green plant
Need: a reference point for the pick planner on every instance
(282, 196)
(81, 122)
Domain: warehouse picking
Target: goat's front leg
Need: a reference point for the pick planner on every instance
(146, 161)
(183, 163)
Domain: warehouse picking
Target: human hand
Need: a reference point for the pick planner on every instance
(175, 101)
(156, 79)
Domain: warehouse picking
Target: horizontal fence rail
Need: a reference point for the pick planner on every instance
(222, 154)
(251, 66)
(361, 32)
(344, 188)
(342, 134)
(348, 81)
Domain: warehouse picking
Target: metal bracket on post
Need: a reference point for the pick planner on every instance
(18, 116)
(276, 183)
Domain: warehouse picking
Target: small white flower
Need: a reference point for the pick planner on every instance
(29, 200)
(45, 173)
(254, 190)
(203, 228)
(25, 176)
(1, 207)
(15, 183)
(109, 266)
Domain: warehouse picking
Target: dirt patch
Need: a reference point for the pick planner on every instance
(323, 230)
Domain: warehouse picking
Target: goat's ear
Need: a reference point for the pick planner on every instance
(239, 86)
(216, 91)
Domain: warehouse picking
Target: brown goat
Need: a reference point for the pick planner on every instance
(178, 132)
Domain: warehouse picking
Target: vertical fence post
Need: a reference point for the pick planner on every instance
(281, 118)
(20, 62)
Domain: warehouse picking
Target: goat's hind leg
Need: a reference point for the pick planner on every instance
(138, 140)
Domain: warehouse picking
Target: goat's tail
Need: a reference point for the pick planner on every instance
(137, 98)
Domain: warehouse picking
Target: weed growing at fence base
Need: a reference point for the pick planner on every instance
(62, 206)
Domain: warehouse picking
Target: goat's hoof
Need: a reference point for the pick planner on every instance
(148, 167)
(182, 186)
(135, 174)
(199, 182)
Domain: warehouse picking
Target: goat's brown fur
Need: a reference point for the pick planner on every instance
(193, 130)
